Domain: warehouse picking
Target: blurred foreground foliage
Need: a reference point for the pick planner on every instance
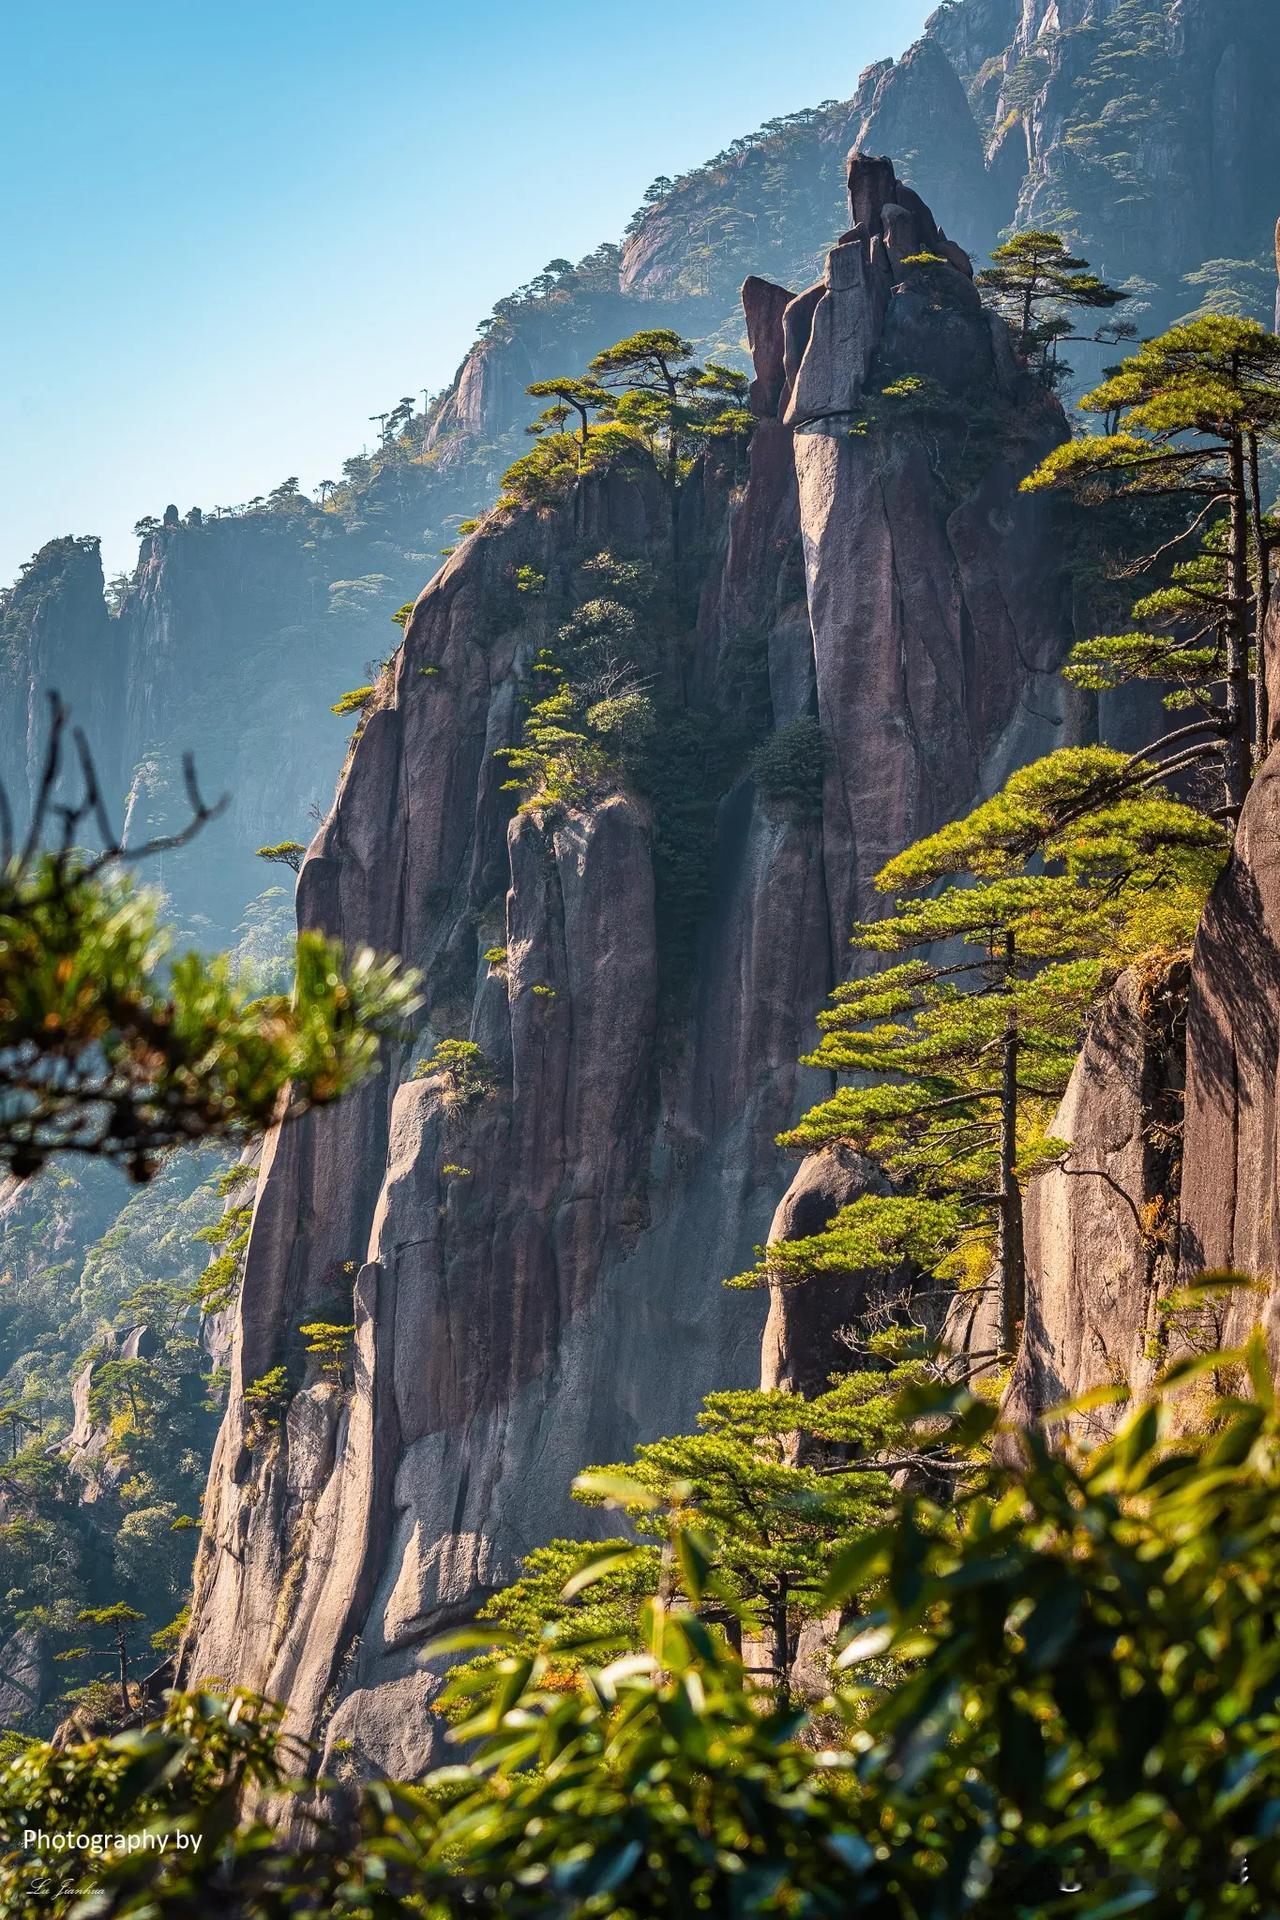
(112, 1047)
(1068, 1677)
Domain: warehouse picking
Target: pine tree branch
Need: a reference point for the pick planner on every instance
(1137, 567)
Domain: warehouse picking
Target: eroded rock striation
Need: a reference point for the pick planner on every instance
(1229, 1203)
(534, 1269)
(1102, 1227)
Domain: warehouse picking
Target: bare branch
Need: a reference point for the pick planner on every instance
(48, 780)
(1098, 1173)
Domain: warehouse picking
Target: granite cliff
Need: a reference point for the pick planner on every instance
(1004, 113)
(883, 582)
(535, 1274)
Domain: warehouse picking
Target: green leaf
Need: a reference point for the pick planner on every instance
(1109, 1394)
(696, 1559)
(1258, 1361)
(856, 1567)
(1193, 1366)
(867, 1645)
(464, 1640)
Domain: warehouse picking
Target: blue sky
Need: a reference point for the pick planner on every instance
(234, 229)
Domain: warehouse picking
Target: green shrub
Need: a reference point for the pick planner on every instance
(465, 1068)
(353, 702)
(264, 1399)
(789, 766)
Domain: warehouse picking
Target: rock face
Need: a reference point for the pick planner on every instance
(56, 636)
(1192, 156)
(897, 102)
(802, 1347)
(1229, 1204)
(226, 645)
(924, 583)
(535, 1272)
(1101, 1230)
(27, 1676)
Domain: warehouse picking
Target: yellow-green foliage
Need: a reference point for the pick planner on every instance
(1078, 865)
(353, 702)
(465, 1068)
(264, 1400)
(330, 1343)
(127, 1052)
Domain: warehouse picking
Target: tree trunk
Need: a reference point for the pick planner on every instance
(1238, 754)
(124, 1673)
(1013, 1273)
(1261, 606)
(673, 476)
(780, 1644)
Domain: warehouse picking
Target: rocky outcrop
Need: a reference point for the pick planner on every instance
(897, 102)
(88, 1441)
(927, 630)
(1101, 1226)
(56, 636)
(1229, 1201)
(535, 1271)
(802, 1346)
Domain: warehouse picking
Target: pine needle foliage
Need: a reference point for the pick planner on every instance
(1038, 284)
(957, 1063)
(1187, 419)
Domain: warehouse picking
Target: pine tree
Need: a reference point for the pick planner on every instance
(1081, 862)
(653, 365)
(581, 396)
(108, 1047)
(1037, 285)
(119, 1620)
(285, 853)
(1185, 421)
(1178, 640)
(763, 1491)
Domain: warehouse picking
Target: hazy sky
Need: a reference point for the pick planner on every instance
(234, 229)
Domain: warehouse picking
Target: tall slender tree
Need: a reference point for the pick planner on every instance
(1082, 861)
(1186, 419)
